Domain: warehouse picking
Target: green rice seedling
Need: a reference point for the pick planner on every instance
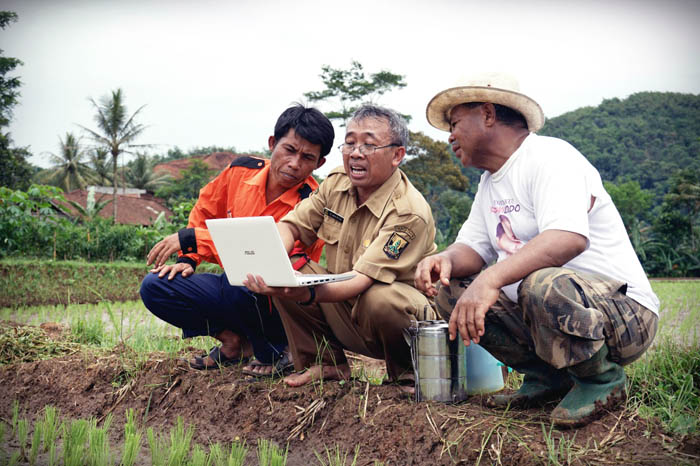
(199, 457)
(558, 452)
(87, 331)
(132, 445)
(237, 454)
(75, 436)
(36, 443)
(679, 310)
(158, 448)
(22, 435)
(99, 453)
(269, 454)
(132, 439)
(53, 455)
(51, 426)
(216, 453)
(15, 416)
(180, 441)
(337, 456)
(15, 458)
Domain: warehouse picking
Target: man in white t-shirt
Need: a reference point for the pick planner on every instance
(542, 273)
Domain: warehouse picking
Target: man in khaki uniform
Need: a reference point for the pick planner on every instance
(375, 223)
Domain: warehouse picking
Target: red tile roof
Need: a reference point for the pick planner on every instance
(216, 161)
(131, 210)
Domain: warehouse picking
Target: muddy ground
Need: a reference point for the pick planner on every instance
(387, 424)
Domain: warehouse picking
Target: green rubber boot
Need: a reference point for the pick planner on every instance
(542, 382)
(599, 386)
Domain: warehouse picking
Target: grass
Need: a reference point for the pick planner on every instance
(680, 310)
(33, 282)
(664, 386)
(82, 442)
(101, 326)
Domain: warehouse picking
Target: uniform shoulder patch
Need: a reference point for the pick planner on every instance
(305, 191)
(248, 162)
(396, 244)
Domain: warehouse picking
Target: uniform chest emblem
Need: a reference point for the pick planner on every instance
(395, 245)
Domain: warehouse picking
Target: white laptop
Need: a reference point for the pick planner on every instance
(252, 245)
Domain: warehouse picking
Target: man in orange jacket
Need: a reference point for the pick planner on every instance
(205, 304)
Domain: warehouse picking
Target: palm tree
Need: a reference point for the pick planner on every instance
(69, 172)
(92, 207)
(100, 163)
(116, 131)
(140, 174)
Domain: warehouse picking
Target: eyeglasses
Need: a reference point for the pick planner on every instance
(365, 149)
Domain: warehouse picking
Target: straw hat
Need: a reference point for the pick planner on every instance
(496, 88)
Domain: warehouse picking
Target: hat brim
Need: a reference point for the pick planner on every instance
(440, 106)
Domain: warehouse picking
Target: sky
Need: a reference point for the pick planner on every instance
(220, 72)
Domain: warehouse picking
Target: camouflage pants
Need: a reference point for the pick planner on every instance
(563, 316)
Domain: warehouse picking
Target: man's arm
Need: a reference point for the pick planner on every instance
(325, 293)
(210, 204)
(551, 248)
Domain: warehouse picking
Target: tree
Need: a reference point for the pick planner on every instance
(436, 173)
(684, 195)
(69, 171)
(140, 174)
(100, 163)
(187, 188)
(631, 201)
(15, 171)
(352, 87)
(116, 131)
(92, 207)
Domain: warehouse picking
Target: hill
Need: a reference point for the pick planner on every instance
(646, 137)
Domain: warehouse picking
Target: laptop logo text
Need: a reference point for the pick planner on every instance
(249, 253)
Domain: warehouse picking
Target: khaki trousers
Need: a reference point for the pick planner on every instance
(371, 324)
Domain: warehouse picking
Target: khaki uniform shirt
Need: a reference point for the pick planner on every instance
(384, 238)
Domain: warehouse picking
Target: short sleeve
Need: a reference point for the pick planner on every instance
(560, 191)
(474, 232)
(307, 216)
(401, 243)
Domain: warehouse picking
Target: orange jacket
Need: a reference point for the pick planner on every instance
(238, 191)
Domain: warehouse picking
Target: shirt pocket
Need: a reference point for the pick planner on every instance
(329, 231)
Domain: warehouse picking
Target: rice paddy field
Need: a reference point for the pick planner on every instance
(107, 383)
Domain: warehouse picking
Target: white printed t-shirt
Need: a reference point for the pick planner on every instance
(547, 185)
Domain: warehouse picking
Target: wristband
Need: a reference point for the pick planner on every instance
(312, 296)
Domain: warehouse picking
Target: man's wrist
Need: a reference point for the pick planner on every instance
(187, 260)
(312, 297)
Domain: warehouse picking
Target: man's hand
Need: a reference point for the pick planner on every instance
(256, 284)
(162, 250)
(171, 270)
(468, 314)
(430, 270)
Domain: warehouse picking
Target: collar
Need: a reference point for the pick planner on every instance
(291, 196)
(379, 198)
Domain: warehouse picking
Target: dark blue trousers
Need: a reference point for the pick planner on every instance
(205, 304)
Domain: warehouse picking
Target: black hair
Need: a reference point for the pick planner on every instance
(510, 117)
(506, 115)
(308, 123)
